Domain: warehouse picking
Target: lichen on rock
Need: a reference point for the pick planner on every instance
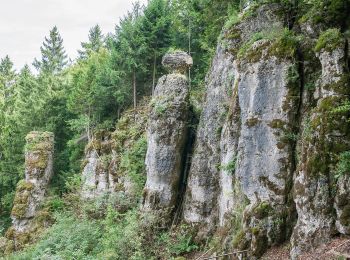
(167, 136)
(328, 136)
(30, 192)
(177, 61)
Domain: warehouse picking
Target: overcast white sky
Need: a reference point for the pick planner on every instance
(25, 23)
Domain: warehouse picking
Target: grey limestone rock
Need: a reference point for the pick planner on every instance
(167, 136)
(177, 61)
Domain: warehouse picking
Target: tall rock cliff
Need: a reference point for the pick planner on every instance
(327, 136)
(167, 134)
(272, 136)
(270, 159)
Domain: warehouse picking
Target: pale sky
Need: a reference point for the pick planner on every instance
(25, 23)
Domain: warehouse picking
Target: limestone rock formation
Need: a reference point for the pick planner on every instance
(166, 135)
(30, 192)
(327, 137)
(242, 103)
(177, 62)
(106, 155)
(201, 194)
(96, 175)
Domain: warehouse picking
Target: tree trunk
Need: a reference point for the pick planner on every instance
(154, 73)
(88, 125)
(135, 92)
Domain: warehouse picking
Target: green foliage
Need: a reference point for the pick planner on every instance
(68, 238)
(54, 57)
(230, 166)
(232, 19)
(281, 43)
(327, 12)
(132, 163)
(343, 108)
(329, 40)
(178, 242)
(92, 92)
(95, 43)
(343, 165)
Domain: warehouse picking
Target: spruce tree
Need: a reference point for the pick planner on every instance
(95, 43)
(132, 48)
(155, 27)
(53, 54)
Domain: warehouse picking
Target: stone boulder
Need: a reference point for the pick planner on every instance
(177, 62)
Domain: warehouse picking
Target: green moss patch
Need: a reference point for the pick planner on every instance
(278, 43)
(330, 40)
(21, 200)
(252, 122)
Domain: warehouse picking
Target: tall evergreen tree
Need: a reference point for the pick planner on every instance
(7, 76)
(131, 46)
(95, 43)
(8, 173)
(53, 54)
(156, 29)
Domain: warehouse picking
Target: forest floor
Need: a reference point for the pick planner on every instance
(337, 249)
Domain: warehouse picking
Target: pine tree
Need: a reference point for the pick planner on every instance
(95, 43)
(7, 76)
(155, 27)
(131, 46)
(8, 167)
(53, 54)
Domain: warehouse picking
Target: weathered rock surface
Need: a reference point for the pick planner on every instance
(342, 205)
(97, 175)
(327, 136)
(167, 135)
(268, 103)
(201, 194)
(106, 171)
(30, 192)
(211, 191)
(177, 62)
(38, 172)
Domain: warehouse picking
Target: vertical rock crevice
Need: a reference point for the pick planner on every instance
(325, 136)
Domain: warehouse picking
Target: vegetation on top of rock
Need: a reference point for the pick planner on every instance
(281, 43)
(329, 40)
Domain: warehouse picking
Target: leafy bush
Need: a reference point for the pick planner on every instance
(68, 238)
(122, 237)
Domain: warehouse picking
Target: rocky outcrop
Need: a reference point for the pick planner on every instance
(201, 195)
(231, 120)
(97, 174)
(30, 192)
(167, 134)
(108, 169)
(342, 205)
(269, 104)
(177, 62)
(326, 137)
